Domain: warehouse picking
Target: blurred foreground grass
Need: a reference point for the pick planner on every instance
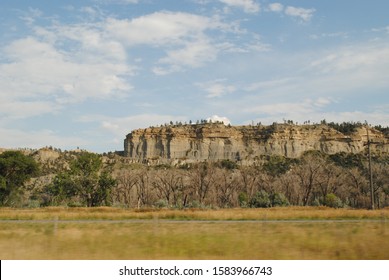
(361, 234)
(202, 240)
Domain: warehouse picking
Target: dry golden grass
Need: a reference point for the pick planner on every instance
(200, 240)
(276, 233)
(108, 213)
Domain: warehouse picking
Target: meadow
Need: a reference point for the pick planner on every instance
(275, 233)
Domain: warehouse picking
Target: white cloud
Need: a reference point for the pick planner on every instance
(266, 85)
(194, 54)
(302, 13)
(14, 138)
(287, 108)
(129, 1)
(303, 112)
(305, 15)
(349, 70)
(181, 36)
(121, 2)
(61, 79)
(39, 75)
(216, 88)
(255, 45)
(276, 7)
(93, 12)
(161, 71)
(322, 84)
(249, 6)
(216, 118)
(342, 71)
(361, 58)
(119, 127)
(31, 15)
(25, 109)
(63, 63)
(94, 44)
(322, 102)
(160, 28)
(329, 35)
(112, 130)
(380, 30)
(201, 2)
(313, 110)
(374, 117)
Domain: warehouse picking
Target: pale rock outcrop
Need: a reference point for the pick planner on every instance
(212, 142)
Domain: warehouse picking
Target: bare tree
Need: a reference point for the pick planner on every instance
(357, 188)
(249, 179)
(169, 185)
(202, 178)
(289, 186)
(308, 173)
(227, 187)
(143, 189)
(381, 182)
(264, 182)
(127, 179)
(331, 180)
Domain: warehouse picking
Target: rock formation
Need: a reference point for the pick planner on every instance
(212, 142)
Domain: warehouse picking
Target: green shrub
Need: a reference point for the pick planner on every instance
(33, 204)
(316, 202)
(228, 164)
(243, 199)
(279, 199)
(261, 200)
(277, 165)
(162, 203)
(331, 200)
(76, 204)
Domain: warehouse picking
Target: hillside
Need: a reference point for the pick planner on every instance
(215, 141)
(212, 165)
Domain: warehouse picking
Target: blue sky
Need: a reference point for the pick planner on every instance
(86, 73)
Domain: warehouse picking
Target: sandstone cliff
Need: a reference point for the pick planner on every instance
(191, 143)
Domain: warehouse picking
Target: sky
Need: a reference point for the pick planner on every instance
(86, 73)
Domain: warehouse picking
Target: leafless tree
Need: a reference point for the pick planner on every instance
(127, 179)
(143, 189)
(330, 180)
(380, 182)
(308, 173)
(288, 184)
(227, 188)
(357, 188)
(169, 186)
(202, 179)
(249, 180)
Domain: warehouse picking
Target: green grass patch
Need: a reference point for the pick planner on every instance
(200, 240)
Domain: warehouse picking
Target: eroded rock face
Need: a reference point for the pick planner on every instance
(192, 143)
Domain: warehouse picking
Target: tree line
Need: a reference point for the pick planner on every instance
(343, 127)
(315, 179)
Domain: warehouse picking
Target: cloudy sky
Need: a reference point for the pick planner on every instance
(85, 73)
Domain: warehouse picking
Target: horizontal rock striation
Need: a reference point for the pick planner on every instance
(213, 142)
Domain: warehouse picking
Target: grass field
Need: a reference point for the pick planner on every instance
(278, 233)
(109, 213)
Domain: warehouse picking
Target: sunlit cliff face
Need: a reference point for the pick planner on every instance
(247, 144)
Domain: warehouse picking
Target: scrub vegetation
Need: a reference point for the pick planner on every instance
(83, 179)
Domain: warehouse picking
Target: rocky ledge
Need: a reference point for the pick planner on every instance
(213, 142)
